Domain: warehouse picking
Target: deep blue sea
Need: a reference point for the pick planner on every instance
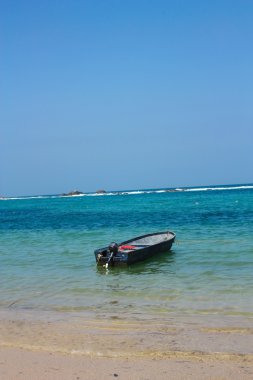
(47, 260)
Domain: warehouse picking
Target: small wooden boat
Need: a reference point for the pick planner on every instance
(134, 250)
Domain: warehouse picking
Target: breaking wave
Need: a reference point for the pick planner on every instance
(136, 192)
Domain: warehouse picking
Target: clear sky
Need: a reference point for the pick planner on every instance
(125, 94)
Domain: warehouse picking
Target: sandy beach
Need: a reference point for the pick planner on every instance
(22, 364)
(42, 347)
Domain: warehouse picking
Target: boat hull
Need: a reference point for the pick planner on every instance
(141, 251)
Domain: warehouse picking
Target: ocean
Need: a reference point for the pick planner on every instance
(48, 268)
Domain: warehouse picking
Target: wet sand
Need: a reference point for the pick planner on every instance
(77, 347)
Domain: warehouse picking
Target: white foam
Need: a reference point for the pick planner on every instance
(133, 192)
(74, 195)
(220, 188)
(99, 194)
(25, 198)
(199, 189)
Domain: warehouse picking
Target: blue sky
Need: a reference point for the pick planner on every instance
(125, 94)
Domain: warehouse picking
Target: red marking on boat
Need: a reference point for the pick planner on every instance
(127, 247)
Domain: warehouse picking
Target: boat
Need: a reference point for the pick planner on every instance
(134, 250)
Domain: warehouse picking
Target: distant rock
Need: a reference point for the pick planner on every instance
(100, 191)
(72, 193)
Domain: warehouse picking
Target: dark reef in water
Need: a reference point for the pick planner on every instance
(101, 191)
(77, 192)
(71, 193)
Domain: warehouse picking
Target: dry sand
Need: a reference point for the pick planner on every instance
(25, 365)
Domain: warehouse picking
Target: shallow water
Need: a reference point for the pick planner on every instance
(47, 260)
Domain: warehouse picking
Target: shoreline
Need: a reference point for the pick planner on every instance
(195, 337)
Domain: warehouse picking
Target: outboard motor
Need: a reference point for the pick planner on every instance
(113, 248)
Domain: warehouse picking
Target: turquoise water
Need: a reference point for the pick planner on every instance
(47, 260)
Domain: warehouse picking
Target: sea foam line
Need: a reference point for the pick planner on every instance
(219, 188)
(133, 192)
